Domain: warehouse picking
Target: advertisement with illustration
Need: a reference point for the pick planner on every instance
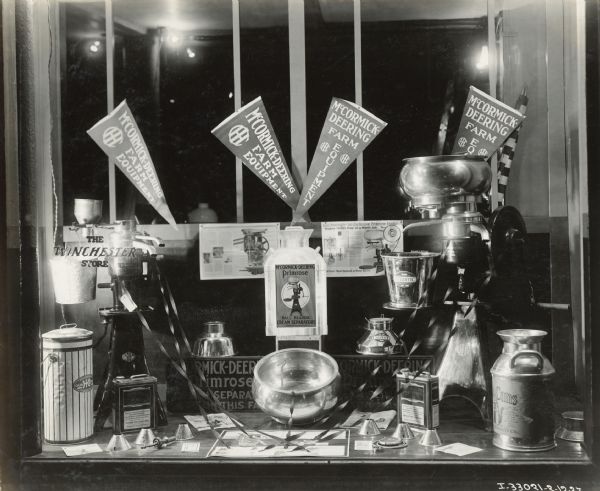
(237, 250)
(295, 285)
(356, 248)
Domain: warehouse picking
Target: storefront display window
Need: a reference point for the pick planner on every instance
(301, 233)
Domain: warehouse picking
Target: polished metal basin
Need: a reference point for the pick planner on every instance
(428, 180)
(300, 383)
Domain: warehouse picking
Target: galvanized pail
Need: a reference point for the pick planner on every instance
(409, 278)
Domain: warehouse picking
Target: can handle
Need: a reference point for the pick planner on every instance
(67, 325)
(527, 353)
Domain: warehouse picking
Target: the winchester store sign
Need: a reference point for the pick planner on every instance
(230, 379)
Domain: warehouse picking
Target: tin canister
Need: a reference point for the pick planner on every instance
(68, 384)
(418, 399)
(134, 403)
(522, 400)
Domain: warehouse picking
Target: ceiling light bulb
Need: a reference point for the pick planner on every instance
(483, 61)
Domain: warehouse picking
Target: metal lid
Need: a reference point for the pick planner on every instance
(390, 442)
(380, 323)
(522, 336)
(142, 378)
(572, 428)
(214, 327)
(68, 332)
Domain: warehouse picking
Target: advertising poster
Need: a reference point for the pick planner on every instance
(249, 135)
(355, 248)
(120, 139)
(347, 131)
(296, 287)
(485, 125)
(235, 250)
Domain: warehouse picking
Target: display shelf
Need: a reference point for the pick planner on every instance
(465, 432)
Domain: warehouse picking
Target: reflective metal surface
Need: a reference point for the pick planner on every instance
(145, 437)
(87, 211)
(409, 278)
(368, 428)
(214, 342)
(428, 181)
(184, 432)
(571, 428)
(296, 382)
(379, 339)
(522, 397)
(520, 339)
(118, 443)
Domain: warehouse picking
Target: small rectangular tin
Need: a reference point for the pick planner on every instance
(134, 403)
(419, 401)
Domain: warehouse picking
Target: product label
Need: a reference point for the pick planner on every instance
(521, 410)
(405, 278)
(403, 288)
(138, 418)
(413, 414)
(83, 384)
(435, 415)
(295, 287)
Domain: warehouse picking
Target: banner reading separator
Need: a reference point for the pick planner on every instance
(248, 134)
(348, 130)
(120, 139)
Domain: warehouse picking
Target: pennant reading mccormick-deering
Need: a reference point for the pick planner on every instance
(485, 125)
(249, 134)
(347, 131)
(119, 137)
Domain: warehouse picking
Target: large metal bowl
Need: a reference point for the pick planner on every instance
(297, 382)
(439, 176)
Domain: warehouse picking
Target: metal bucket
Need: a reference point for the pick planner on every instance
(73, 282)
(68, 384)
(409, 277)
(522, 400)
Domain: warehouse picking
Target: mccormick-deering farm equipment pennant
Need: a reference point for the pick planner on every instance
(248, 134)
(119, 137)
(485, 125)
(347, 131)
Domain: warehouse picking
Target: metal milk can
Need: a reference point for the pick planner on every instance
(522, 401)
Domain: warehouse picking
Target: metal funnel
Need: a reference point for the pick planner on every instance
(184, 432)
(430, 439)
(368, 428)
(145, 437)
(403, 432)
(118, 443)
